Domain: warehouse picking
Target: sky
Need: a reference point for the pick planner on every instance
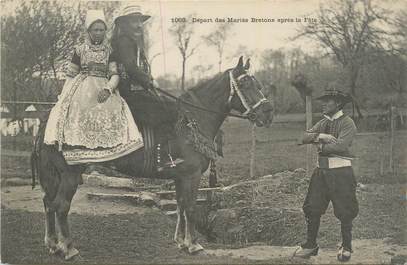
(255, 36)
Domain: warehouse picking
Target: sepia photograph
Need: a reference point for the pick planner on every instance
(203, 132)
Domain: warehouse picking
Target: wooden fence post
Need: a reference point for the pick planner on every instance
(36, 127)
(15, 117)
(308, 122)
(253, 151)
(392, 127)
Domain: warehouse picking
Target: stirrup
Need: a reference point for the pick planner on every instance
(171, 164)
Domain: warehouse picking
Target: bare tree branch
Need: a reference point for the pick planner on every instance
(351, 29)
(183, 32)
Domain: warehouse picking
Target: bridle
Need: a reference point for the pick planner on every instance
(250, 112)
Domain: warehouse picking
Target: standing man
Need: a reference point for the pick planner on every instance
(333, 179)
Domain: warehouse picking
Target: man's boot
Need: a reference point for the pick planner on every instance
(345, 251)
(310, 248)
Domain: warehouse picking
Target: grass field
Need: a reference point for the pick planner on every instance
(276, 150)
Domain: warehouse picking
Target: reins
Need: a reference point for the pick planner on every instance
(198, 107)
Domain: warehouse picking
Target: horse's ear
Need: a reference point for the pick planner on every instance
(247, 65)
(240, 63)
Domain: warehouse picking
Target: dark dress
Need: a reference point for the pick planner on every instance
(136, 85)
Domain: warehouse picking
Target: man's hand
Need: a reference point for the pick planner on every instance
(152, 84)
(103, 95)
(155, 84)
(327, 139)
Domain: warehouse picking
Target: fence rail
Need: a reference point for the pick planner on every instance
(29, 102)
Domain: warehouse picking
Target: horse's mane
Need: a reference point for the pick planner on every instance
(206, 83)
(150, 109)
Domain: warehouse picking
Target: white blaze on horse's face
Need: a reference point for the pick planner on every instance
(253, 104)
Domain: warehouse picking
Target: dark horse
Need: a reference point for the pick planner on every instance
(234, 89)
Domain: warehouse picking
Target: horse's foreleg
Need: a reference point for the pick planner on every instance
(179, 236)
(66, 191)
(190, 213)
(50, 239)
(49, 182)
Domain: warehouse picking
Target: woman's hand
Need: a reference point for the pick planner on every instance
(103, 95)
(327, 138)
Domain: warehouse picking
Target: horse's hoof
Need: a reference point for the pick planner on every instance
(53, 251)
(195, 248)
(51, 245)
(182, 246)
(72, 252)
(201, 252)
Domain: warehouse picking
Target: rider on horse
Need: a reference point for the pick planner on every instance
(151, 112)
(85, 108)
(128, 43)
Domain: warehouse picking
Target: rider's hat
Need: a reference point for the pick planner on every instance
(131, 10)
(93, 16)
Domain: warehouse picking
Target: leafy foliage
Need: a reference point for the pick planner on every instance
(36, 39)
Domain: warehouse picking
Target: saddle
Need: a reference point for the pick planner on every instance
(155, 117)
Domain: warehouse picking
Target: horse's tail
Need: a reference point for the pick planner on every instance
(35, 159)
(35, 154)
(34, 169)
(213, 178)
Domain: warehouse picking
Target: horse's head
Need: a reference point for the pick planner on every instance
(246, 96)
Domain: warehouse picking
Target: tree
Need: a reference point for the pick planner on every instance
(169, 82)
(183, 33)
(351, 30)
(384, 81)
(35, 38)
(218, 40)
(200, 70)
(274, 75)
(401, 31)
(109, 8)
(301, 83)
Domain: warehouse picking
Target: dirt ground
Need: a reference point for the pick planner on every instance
(104, 232)
(115, 232)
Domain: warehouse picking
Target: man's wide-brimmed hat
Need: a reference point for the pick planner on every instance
(336, 95)
(131, 10)
(94, 15)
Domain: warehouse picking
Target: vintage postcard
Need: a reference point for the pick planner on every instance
(203, 132)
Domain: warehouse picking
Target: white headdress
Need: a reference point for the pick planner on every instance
(94, 15)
